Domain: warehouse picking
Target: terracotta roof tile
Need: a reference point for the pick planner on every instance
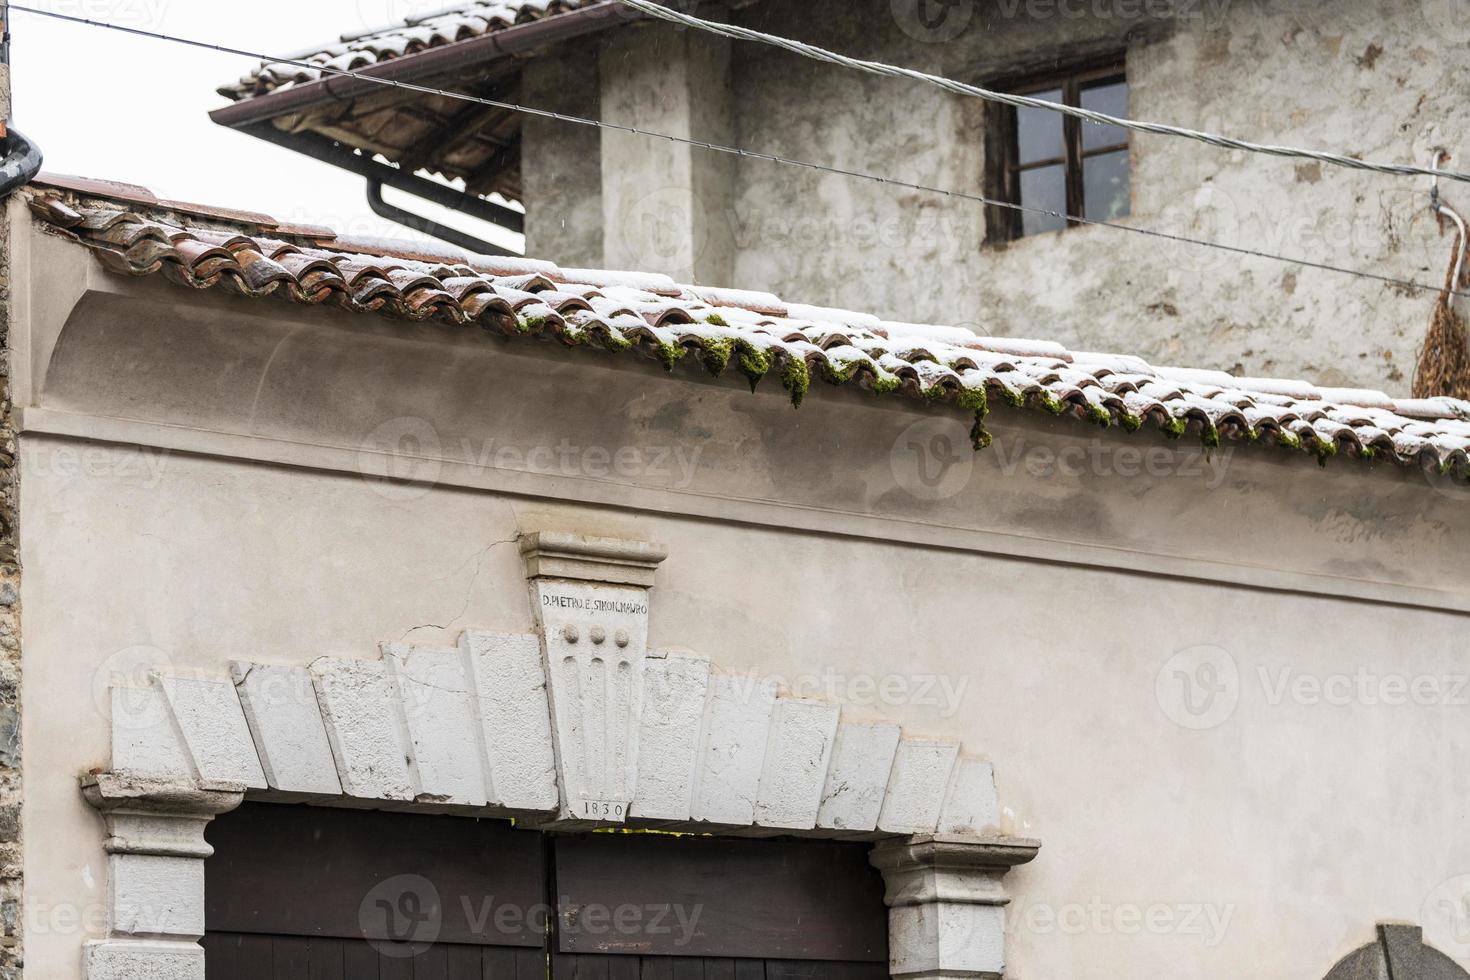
(457, 22)
(757, 334)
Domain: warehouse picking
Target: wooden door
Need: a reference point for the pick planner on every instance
(308, 893)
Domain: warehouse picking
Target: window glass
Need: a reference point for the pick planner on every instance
(1044, 187)
(1039, 131)
(1105, 186)
(1111, 99)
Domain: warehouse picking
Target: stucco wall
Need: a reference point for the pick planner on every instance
(1217, 689)
(1369, 77)
(1287, 823)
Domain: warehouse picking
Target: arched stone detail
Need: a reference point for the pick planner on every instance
(578, 725)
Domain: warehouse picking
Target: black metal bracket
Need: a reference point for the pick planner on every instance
(427, 226)
(383, 175)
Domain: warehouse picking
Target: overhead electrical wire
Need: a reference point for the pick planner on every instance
(661, 12)
(738, 151)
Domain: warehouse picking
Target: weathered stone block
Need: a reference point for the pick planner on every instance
(674, 690)
(857, 777)
(216, 737)
(285, 720)
(157, 895)
(972, 806)
(365, 729)
(513, 733)
(917, 786)
(439, 715)
(795, 768)
(732, 749)
(121, 959)
(946, 940)
(144, 740)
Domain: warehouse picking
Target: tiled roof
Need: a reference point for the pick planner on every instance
(447, 25)
(757, 334)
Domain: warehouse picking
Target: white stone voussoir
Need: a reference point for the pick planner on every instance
(513, 734)
(862, 759)
(212, 723)
(732, 749)
(440, 720)
(971, 806)
(675, 686)
(145, 740)
(798, 752)
(917, 786)
(286, 722)
(365, 728)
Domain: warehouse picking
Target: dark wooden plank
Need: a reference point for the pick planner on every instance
(719, 968)
(592, 968)
(463, 962)
(359, 960)
(750, 970)
(363, 874)
(530, 964)
(857, 971)
(394, 967)
(712, 897)
(579, 966)
(686, 968)
(232, 956)
(652, 967)
(497, 963)
(623, 968)
(431, 964)
(289, 957)
(221, 951)
(324, 960)
(796, 970)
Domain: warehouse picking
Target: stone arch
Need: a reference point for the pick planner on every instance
(576, 725)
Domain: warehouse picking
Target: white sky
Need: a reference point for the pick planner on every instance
(104, 104)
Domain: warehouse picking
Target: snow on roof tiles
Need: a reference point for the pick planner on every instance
(352, 52)
(758, 334)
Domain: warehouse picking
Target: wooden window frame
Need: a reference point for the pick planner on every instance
(1002, 147)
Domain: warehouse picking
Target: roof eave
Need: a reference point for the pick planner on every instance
(443, 60)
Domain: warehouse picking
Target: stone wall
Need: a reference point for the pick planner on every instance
(1368, 77)
(10, 739)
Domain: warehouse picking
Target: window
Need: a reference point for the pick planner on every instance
(1042, 159)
